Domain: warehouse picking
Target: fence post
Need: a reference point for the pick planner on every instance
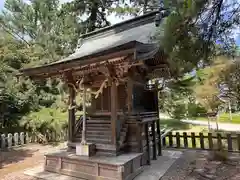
(185, 140)
(229, 142)
(9, 139)
(219, 140)
(210, 141)
(201, 140)
(164, 141)
(193, 140)
(170, 139)
(238, 141)
(178, 139)
(16, 139)
(3, 141)
(22, 138)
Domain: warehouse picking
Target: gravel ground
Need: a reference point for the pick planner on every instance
(13, 162)
(192, 165)
(197, 165)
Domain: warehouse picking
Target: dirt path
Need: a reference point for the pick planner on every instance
(18, 159)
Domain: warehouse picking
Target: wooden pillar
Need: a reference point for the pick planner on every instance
(159, 143)
(71, 114)
(129, 95)
(148, 146)
(154, 141)
(114, 97)
(84, 117)
(139, 134)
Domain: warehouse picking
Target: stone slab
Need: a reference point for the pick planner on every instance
(39, 172)
(112, 160)
(153, 172)
(160, 166)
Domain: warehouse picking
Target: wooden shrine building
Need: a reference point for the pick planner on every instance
(113, 64)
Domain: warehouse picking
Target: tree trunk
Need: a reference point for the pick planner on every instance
(93, 17)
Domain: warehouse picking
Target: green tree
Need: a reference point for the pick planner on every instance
(43, 25)
(195, 32)
(94, 11)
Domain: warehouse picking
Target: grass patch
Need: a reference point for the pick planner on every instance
(179, 126)
(224, 118)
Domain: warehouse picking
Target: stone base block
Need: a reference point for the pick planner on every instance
(86, 149)
(123, 167)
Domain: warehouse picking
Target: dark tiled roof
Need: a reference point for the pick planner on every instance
(140, 29)
(137, 31)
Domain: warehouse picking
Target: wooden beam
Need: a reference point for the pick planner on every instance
(57, 68)
(114, 97)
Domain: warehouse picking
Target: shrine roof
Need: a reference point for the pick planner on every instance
(136, 33)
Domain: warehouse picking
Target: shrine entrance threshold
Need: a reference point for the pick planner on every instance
(113, 67)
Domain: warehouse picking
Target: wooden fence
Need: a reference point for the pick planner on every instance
(204, 141)
(21, 138)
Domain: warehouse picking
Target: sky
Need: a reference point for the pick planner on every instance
(113, 19)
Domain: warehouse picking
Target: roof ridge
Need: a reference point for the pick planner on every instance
(117, 28)
(105, 29)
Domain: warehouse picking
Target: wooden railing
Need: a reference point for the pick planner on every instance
(78, 124)
(204, 141)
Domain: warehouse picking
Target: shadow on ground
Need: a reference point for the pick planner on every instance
(13, 156)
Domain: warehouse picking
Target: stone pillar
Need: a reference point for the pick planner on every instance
(9, 140)
(16, 139)
(22, 138)
(3, 141)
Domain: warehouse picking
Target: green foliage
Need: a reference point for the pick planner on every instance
(207, 90)
(196, 110)
(35, 33)
(49, 30)
(32, 34)
(224, 118)
(189, 34)
(45, 121)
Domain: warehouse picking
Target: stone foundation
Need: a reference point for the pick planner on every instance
(123, 167)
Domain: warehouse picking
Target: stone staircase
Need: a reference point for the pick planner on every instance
(98, 129)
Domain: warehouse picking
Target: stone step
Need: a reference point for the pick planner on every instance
(98, 125)
(99, 132)
(95, 136)
(95, 128)
(100, 116)
(98, 121)
(95, 140)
